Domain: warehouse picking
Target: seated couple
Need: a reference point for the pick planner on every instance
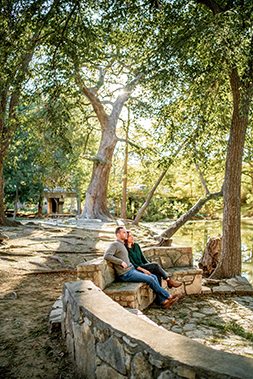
(131, 266)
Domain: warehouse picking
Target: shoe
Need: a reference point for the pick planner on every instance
(169, 302)
(179, 295)
(171, 283)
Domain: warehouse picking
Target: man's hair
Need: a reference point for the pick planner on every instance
(118, 229)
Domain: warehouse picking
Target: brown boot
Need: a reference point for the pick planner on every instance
(169, 302)
(171, 283)
(178, 295)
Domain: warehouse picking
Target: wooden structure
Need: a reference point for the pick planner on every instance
(55, 201)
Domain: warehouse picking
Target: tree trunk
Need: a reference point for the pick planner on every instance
(124, 191)
(230, 263)
(145, 205)
(3, 220)
(188, 215)
(96, 195)
(40, 207)
(211, 257)
(15, 204)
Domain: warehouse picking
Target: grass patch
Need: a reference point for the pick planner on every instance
(38, 331)
(237, 329)
(230, 326)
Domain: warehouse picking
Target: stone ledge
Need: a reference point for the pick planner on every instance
(107, 339)
(236, 285)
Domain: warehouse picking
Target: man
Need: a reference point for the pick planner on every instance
(118, 255)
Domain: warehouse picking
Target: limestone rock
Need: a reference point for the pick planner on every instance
(166, 375)
(140, 368)
(85, 354)
(112, 352)
(106, 372)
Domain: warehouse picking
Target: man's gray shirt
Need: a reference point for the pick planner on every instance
(117, 253)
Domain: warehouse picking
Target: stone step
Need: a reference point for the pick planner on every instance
(131, 295)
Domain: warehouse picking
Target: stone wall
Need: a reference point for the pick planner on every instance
(168, 257)
(108, 342)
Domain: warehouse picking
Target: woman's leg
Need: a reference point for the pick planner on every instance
(137, 276)
(157, 270)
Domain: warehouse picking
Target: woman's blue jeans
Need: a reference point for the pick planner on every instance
(137, 276)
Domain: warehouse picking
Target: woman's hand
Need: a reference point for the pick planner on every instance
(123, 264)
(144, 271)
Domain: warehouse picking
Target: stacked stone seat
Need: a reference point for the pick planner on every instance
(176, 261)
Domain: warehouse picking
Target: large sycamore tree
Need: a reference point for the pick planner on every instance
(211, 43)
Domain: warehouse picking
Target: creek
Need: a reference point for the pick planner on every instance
(197, 233)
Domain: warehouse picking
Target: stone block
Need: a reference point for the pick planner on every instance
(148, 252)
(55, 313)
(112, 352)
(184, 372)
(243, 289)
(155, 361)
(57, 304)
(206, 290)
(195, 287)
(107, 372)
(188, 278)
(70, 345)
(166, 375)
(102, 272)
(85, 354)
(183, 260)
(166, 262)
(223, 289)
(140, 367)
(129, 298)
(242, 279)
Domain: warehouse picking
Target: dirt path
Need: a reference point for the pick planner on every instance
(27, 350)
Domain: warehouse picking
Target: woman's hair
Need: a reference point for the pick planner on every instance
(125, 242)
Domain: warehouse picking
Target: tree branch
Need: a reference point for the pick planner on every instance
(204, 186)
(97, 106)
(212, 5)
(188, 215)
(123, 98)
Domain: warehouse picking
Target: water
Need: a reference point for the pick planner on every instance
(197, 233)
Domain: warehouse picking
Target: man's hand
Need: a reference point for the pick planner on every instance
(123, 264)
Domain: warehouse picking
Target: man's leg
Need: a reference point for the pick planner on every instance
(137, 276)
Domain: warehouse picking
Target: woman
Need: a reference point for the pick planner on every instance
(142, 264)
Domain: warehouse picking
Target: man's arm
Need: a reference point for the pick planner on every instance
(109, 256)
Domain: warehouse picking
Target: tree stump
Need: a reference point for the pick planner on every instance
(210, 259)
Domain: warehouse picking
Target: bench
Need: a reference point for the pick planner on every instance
(176, 261)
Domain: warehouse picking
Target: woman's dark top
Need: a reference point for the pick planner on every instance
(136, 255)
